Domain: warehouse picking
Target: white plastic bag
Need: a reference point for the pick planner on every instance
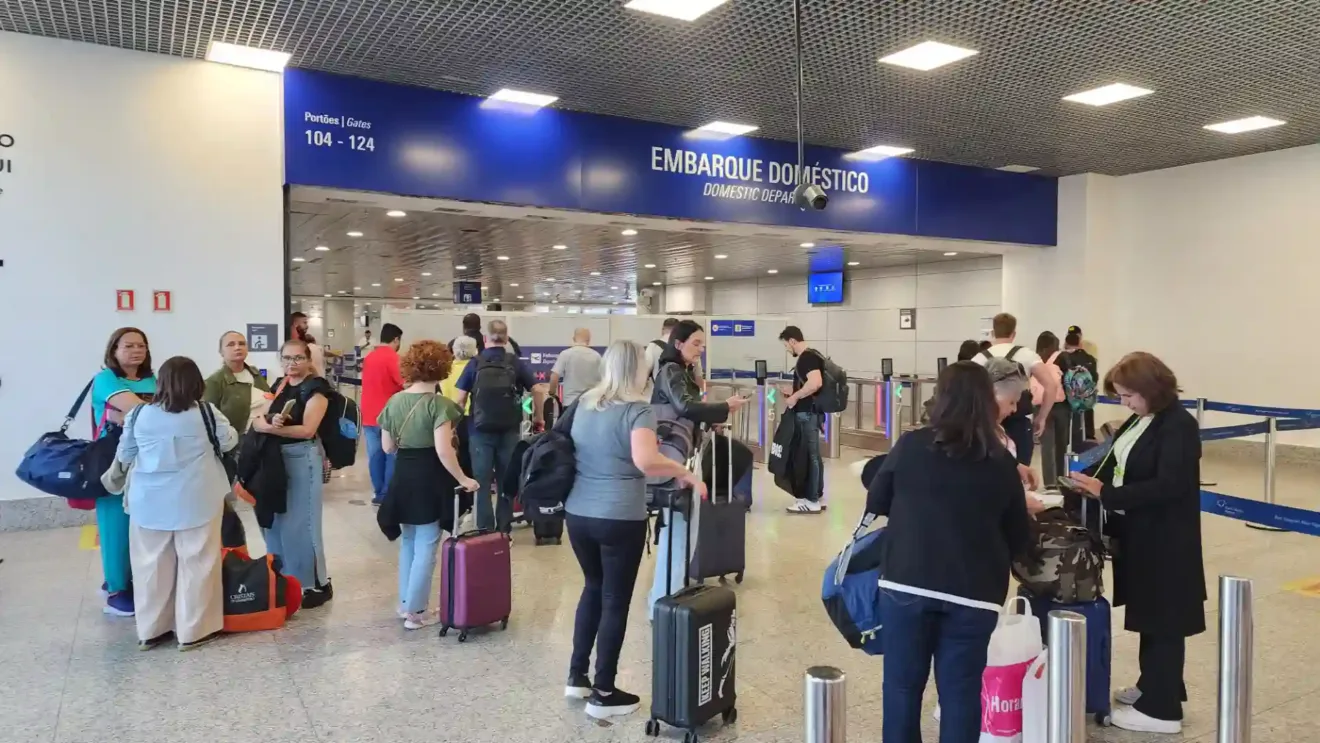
(1016, 642)
(1035, 699)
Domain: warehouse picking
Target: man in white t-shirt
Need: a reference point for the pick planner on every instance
(578, 367)
(1018, 426)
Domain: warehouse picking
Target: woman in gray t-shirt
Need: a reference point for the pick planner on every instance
(614, 437)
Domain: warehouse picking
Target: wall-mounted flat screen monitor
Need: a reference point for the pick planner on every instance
(825, 288)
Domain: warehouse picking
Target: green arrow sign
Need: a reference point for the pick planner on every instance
(770, 395)
(527, 405)
(898, 392)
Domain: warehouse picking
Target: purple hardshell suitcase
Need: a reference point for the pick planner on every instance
(476, 580)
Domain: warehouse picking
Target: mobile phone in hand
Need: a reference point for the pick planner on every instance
(288, 408)
(1069, 483)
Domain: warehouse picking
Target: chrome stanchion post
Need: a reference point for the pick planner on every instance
(825, 706)
(1236, 629)
(1271, 434)
(1066, 713)
(1200, 412)
(857, 407)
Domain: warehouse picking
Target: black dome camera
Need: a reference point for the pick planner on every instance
(810, 197)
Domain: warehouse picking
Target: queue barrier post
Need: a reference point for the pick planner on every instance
(1271, 437)
(826, 708)
(1066, 659)
(1236, 651)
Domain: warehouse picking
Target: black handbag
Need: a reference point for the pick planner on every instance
(227, 459)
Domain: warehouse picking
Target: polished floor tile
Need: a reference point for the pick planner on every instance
(350, 672)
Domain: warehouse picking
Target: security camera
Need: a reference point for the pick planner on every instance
(810, 197)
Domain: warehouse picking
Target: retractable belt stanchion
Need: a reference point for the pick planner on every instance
(1066, 711)
(1271, 436)
(887, 388)
(825, 706)
(833, 441)
(1236, 628)
(1200, 423)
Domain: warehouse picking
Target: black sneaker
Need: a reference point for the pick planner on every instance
(328, 590)
(578, 686)
(184, 646)
(604, 705)
(156, 641)
(314, 597)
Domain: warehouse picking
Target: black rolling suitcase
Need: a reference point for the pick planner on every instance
(720, 525)
(693, 642)
(548, 530)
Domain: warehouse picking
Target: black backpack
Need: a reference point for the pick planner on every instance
(340, 430)
(1025, 404)
(833, 394)
(495, 395)
(549, 467)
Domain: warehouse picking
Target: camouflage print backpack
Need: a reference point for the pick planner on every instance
(1066, 562)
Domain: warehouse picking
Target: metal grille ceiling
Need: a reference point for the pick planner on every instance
(437, 243)
(1206, 61)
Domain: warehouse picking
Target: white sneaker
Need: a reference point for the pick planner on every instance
(418, 621)
(804, 506)
(1128, 696)
(402, 612)
(1128, 718)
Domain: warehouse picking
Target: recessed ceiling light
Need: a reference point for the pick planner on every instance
(1017, 168)
(727, 129)
(683, 10)
(807, 245)
(354, 233)
(773, 270)
(879, 152)
(927, 56)
(426, 273)
(495, 299)
(246, 56)
(299, 260)
(1249, 124)
(545, 294)
(357, 288)
(366, 304)
(655, 283)
(415, 298)
(327, 296)
(561, 247)
(322, 249)
(512, 284)
(710, 278)
(1108, 94)
(595, 273)
(398, 279)
(523, 98)
(520, 296)
(460, 268)
(577, 291)
(548, 279)
(341, 291)
(375, 284)
(628, 233)
(501, 257)
(854, 263)
(649, 265)
(395, 213)
(720, 256)
(435, 294)
(951, 253)
(614, 288)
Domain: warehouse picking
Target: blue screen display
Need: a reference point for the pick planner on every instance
(825, 288)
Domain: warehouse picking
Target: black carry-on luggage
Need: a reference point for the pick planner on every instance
(693, 639)
(720, 526)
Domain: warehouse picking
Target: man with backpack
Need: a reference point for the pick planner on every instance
(1019, 426)
(1083, 371)
(808, 379)
(496, 381)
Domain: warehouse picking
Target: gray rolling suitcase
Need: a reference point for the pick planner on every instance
(693, 642)
(719, 525)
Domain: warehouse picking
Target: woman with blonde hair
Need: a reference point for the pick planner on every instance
(613, 432)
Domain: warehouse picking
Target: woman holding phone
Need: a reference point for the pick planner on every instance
(295, 414)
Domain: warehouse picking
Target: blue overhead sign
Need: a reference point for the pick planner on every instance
(348, 133)
(744, 328)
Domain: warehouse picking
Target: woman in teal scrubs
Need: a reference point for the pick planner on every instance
(126, 382)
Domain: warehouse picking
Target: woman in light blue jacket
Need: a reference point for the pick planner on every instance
(175, 495)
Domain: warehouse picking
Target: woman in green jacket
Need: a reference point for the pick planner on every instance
(238, 390)
(241, 393)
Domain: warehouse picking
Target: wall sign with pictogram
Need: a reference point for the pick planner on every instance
(161, 301)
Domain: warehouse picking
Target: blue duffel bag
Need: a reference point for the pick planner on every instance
(851, 592)
(69, 468)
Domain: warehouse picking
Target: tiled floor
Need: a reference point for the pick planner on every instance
(349, 672)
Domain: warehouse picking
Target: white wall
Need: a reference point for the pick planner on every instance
(953, 300)
(130, 171)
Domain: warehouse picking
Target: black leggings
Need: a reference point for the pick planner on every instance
(610, 553)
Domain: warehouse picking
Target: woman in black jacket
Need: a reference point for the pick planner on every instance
(957, 517)
(677, 396)
(1150, 484)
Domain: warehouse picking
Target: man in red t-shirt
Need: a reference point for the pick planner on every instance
(380, 380)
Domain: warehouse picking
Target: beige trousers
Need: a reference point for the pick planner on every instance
(176, 581)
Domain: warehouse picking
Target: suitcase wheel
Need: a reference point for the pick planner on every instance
(1103, 719)
(444, 631)
(504, 623)
(462, 636)
(652, 728)
(729, 716)
(738, 578)
(690, 737)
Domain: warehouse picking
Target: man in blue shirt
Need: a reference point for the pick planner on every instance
(496, 381)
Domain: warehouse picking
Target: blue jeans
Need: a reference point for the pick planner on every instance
(379, 464)
(956, 637)
(417, 549)
(295, 535)
(677, 559)
(808, 425)
(491, 453)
